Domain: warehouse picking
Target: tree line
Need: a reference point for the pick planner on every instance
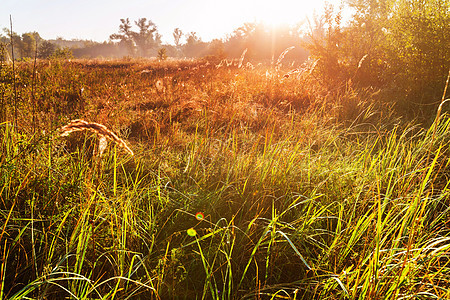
(142, 39)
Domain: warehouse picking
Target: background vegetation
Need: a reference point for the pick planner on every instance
(318, 179)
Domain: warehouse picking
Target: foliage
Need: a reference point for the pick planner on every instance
(419, 48)
(99, 50)
(262, 42)
(4, 55)
(46, 49)
(325, 44)
(64, 53)
(395, 46)
(24, 45)
(28, 45)
(194, 46)
(216, 51)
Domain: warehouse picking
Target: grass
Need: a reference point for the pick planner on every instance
(305, 194)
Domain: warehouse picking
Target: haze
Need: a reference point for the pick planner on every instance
(96, 20)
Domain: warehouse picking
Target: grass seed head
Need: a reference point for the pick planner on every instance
(241, 60)
(281, 57)
(101, 130)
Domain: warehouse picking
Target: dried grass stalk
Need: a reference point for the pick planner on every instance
(241, 60)
(362, 60)
(101, 130)
(281, 57)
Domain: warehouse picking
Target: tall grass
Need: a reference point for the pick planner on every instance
(299, 201)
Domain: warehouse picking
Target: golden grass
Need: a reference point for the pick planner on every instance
(241, 60)
(281, 57)
(101, 130)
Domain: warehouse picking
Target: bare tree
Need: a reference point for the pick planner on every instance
(177, 35)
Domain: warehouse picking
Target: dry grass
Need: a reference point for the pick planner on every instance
(281, 57)
(101, 130)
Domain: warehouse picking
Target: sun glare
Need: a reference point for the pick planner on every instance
(287, 12)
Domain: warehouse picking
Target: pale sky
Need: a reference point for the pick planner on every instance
(97, 19)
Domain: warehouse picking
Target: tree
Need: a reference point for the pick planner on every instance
(194, 46)
(138, 42)
(62, 53)
(398, 46)
(407, 43)
(147, 37)
(24, 45)
(4, 55)
(216, 50)
(418, 39)
(177, 35)
(326, 44)
(46, 49)
(367, 37)
(125, 36)
(28, 45)
(246, 30)
(192, 40)
(14, 41)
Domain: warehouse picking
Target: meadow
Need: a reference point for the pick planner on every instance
(247, 182)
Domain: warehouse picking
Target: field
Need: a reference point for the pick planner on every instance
(247, 182)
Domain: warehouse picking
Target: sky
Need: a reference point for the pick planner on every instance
(96, 20)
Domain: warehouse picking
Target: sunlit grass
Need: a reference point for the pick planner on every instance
(302, 195)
